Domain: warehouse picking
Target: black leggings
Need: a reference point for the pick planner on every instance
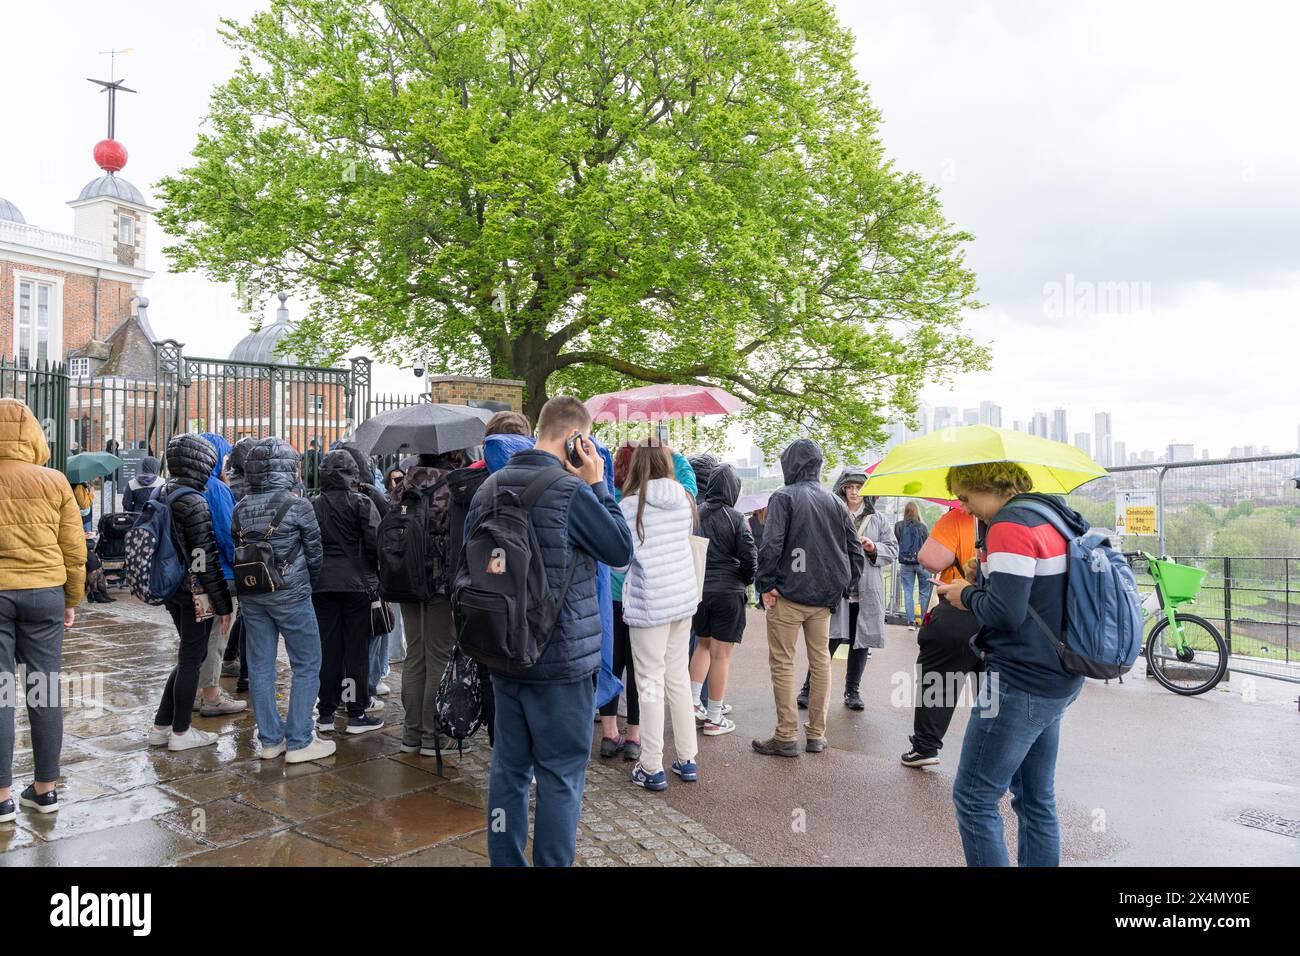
(857, 655)
(177, 705)
(623, 659)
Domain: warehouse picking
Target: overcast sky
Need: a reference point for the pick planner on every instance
(1131, 173)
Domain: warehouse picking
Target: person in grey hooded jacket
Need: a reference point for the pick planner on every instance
(272, 470)
(143, 486)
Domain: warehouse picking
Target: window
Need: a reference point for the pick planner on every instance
(79, 367)
(126, 230)
(35, 326)
(316, 403)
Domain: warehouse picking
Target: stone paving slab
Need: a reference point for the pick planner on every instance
(124, 803)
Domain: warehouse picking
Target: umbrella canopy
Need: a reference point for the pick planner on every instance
(946, 502)
(654, 403)
(89, 465)
(752, 502)
(423, 429)
(919, 468)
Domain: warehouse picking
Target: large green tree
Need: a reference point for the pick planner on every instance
(585, 195)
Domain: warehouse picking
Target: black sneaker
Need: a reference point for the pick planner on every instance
(41, 803)
(914, 758)
(7, 811)
(363, 724)
(802, 699)
(853, 700)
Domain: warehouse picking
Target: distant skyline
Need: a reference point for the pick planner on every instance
(1130, 172)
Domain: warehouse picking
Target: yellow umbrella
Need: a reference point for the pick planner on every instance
(919, 468)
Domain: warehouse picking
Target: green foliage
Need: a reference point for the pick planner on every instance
(1256, 534)
(586, 195)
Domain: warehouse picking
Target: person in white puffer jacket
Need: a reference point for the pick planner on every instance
(659, 599)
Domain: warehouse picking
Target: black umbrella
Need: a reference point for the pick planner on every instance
(423, 429)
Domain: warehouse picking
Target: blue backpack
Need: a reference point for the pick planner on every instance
(155, 567)
(1103, 612)
(909, 545)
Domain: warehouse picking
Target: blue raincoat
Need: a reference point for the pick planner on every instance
(497, 450)
(221, 505)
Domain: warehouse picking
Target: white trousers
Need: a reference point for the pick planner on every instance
(662, 659)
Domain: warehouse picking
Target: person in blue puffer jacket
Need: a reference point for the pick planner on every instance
(272, 470)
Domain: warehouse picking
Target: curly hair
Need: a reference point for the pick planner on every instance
(998, 477)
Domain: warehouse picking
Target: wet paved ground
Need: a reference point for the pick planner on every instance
(1144, 777)
(124, 803)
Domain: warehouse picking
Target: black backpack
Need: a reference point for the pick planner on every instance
(501, 601)
(413, 547)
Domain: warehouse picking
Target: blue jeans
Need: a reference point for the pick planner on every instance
(263, 623)
(378, 660)
(1011, 741)
(908, 573)
(542, 729)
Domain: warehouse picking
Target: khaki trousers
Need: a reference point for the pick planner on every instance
(784, 620)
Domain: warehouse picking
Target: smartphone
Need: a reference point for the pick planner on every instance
(571, 450)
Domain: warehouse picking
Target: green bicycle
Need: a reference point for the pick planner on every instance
(1184, 652)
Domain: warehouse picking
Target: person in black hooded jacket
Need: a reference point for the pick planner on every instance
(728, 570)
(365, 477)
(341, 594)
(190, 460)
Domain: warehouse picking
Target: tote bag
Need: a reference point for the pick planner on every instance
(700, 553)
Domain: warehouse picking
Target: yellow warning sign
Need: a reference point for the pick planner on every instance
(1140, 521)
(1136, 513)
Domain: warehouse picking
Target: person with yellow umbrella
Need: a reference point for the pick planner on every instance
(1012, 482)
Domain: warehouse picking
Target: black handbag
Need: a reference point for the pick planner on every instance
(256, 570)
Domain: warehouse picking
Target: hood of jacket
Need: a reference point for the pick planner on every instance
(497, 449)
(1072, 519)
(723, 486)
(223, 449)
(238, 455)
(703, 465)
(802, 461)
(272, 465)
(338, 471)
(853, 476)
(665, 493)
(365, 470)
(190, 460)
(149, 465)
(21, 436)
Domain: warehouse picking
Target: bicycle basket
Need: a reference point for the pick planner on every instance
(1180, 582)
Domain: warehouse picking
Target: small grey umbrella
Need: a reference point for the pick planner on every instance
(423, 429)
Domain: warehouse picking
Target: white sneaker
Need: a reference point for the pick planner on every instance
(270, 753)
(190, 739)
(158, 737)
(325, 727)
(725, 725)
(701, 712)
(224, 704)
(375, 706)
(316, 750)
(382, 689)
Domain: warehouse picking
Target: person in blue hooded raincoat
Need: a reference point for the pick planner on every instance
(212, 701)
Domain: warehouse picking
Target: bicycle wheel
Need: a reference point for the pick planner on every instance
(1199, 668)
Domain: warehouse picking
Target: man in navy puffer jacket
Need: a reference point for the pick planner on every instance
(272, 470)
(543, 718)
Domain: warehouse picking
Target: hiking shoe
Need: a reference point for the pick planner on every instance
(701, 712)
(853, 700)
(649, 781)
(382, 689)
(815, 745)
(316, 750)
(40, 802)
(375, 706)
(610, 746)
(365, 724)
(273, 751)
(409, 748)
(776, 748)
(190, 739)
(230, 669)
(448, 746)
(688, 770)
(224, 704)
(8, 813)
(914, 758)
(158, 737)
(723, 726)
(631, 749)
(802, 699)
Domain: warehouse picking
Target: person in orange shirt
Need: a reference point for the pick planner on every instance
(945, 656)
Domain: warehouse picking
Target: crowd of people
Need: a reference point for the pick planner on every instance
(652, 563)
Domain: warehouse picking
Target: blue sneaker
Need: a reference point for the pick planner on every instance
(688, 770)
(650, 781)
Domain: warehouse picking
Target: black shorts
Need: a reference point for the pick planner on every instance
(721, 616)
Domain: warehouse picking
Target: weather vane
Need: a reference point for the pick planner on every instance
(112, 86)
